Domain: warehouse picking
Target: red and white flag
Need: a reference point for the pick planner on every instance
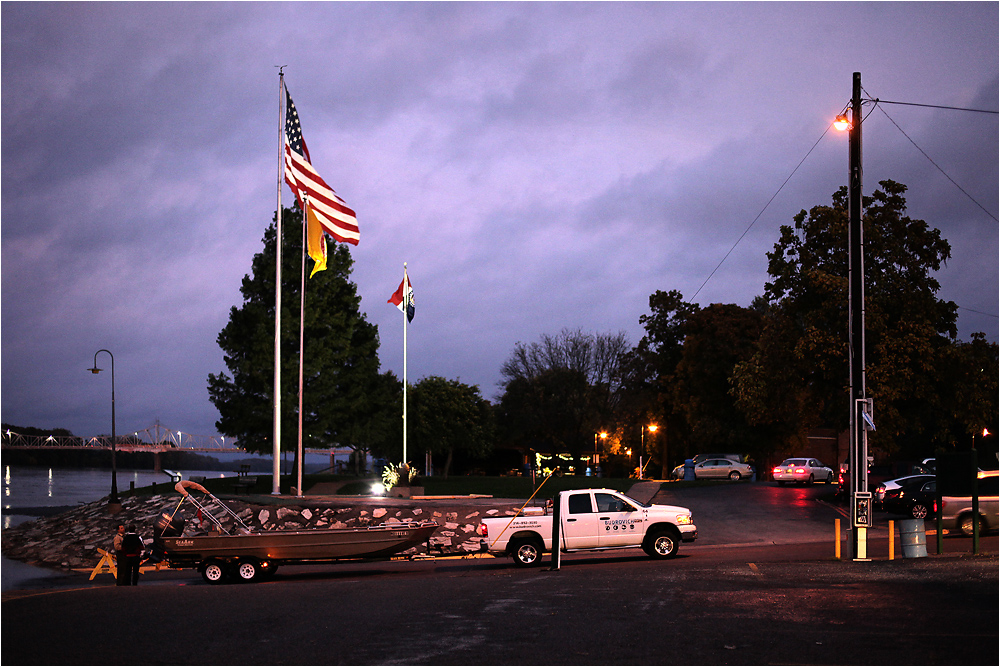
(334, 215)
(402, 298)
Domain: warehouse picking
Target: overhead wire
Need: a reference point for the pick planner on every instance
(747, 230)
(876, 103)
(929, 159)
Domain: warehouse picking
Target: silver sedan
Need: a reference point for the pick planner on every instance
(722, 469)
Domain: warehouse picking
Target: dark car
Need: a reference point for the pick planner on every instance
(914, 496)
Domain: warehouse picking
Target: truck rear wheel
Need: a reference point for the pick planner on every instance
(661, 544)
(527, 552)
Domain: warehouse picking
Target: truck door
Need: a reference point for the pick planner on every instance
(580, 526)
(621, 521)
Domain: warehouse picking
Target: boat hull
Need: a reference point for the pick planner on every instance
(298, 546)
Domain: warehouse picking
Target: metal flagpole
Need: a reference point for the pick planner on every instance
(302, 338)
(276, 434)
(406, 304)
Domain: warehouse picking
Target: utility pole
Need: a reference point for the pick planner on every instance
(859, 406)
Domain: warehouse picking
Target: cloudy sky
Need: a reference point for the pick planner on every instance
(539, 166)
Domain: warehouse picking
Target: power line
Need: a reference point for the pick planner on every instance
(973, 310)
(933, 106)
(747, 230)
(922, 152)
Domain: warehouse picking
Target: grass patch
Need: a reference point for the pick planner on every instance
(498, 487)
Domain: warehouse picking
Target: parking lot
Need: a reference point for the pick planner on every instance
(756, 588)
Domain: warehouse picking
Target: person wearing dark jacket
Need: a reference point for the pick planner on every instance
(131, 554)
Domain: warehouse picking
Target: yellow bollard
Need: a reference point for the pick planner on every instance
(892, 535)
(836, 538)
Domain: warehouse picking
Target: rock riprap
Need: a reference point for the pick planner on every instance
(71, 539)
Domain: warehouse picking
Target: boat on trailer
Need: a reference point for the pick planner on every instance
(247, 555)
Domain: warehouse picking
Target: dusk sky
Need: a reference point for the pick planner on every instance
(539, 166)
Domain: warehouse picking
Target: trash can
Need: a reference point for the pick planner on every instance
(912, 538)
(688, 470)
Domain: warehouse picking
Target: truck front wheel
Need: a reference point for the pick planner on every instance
(661, 544)
(527, 552)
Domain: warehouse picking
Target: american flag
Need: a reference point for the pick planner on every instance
(336, 217)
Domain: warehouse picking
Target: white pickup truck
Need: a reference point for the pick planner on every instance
(590, 520)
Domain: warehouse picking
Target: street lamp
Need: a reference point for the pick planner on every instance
(113, 498)
(642, 447)
(603, 435)
(860, 497)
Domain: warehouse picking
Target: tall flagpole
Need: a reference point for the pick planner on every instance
(276, 434)
(302, 338)
(406, 298)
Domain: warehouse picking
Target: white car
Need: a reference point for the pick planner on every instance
(722, 469)
(802, 471)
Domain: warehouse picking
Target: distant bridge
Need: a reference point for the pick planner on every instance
(156, 438)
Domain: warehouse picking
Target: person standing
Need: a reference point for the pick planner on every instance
(128, 566)
(119, 536)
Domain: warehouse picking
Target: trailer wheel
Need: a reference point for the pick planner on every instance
(213, 571)
(247, 570)
(527, 552)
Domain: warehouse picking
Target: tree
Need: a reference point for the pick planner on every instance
(448, 416)
(798, 373)
(561, 390)
(346, 401)
(716, 339)
(647, 377)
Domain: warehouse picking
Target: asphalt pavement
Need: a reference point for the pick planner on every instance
(772, 594)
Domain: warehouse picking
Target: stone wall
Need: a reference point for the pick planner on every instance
(71, 539)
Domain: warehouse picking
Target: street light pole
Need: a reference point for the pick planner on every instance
(113, 500)
(858, 453)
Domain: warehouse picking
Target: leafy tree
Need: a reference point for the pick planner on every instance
(561, 390)
(448, 416)
(717, 338)
(346, 401)
(647, 380)
(798, 373)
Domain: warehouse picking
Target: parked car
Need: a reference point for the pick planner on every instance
(722, 469)
(802, 471)
(698, 458)
(914, 496)
(956, 511)
(894, 485)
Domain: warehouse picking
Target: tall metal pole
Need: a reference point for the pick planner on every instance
(276, 433)
(406, 292)
(299, 453)
(113, 498)
(858, 454)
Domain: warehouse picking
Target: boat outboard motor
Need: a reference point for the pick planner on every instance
(167, 527)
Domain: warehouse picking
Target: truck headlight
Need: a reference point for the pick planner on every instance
(683, 519)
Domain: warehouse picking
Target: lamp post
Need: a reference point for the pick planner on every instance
(113, 500)
(603, 435)
(642, 446)
(860, 405)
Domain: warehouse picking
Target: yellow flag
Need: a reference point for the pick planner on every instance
(316, 241)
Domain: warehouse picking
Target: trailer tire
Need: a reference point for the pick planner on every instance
(213, 571)
(248, 569)
(661, 543)
(527, 551)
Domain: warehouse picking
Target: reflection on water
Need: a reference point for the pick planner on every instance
(27, 486)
